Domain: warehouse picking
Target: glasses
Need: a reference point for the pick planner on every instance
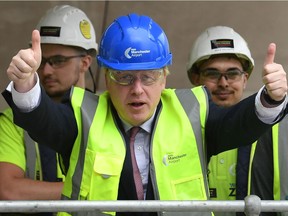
(212, 75)
(57, 61)
(147, 77)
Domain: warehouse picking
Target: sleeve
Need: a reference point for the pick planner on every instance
(12, 149)
(232, 127)
(269, 115)
(26, 101)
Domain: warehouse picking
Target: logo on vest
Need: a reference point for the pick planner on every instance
(170, 158)
(134, 53)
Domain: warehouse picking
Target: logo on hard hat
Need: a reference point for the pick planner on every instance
(85, 29)
(50, 31)
(222, 43)
(133, 52)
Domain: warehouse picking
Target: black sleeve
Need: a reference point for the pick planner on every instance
(229, 128)
(52, 124)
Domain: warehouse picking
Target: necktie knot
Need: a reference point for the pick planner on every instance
(133, 132)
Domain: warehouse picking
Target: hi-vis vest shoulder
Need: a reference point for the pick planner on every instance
(178, 162)
(32, 154)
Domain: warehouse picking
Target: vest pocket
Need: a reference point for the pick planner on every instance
(185, 188)
(107, 165)
(106, 176)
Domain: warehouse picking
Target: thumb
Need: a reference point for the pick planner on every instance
(36, 46)
(271, 51)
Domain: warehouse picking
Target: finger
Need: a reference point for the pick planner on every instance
(16, 73)
(25, 61)
(36, 45)
(271, 52)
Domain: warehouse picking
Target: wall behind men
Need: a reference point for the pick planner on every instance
(259, 22)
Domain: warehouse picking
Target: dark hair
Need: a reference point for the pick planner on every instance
(244, 62)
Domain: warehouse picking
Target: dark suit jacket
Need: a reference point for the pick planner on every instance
(52, 124)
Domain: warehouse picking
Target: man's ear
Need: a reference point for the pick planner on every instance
(246, 76)
(195, 79)
(86, 62)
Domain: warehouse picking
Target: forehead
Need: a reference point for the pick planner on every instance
(137, 71)
(56, 49)
(222, 62)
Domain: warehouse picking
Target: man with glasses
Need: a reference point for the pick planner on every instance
(128, 77)
(138, 140)
(68, 45)
(221, 60)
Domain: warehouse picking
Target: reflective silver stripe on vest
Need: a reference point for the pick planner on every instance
(89, 104)
(188, 100)
(30, 154)
(282, 158)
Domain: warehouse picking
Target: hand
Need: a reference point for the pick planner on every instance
(274, 76)
(24, 65)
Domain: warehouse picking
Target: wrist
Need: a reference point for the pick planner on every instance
(267, 100)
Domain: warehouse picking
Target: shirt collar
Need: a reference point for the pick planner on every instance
(147, 126)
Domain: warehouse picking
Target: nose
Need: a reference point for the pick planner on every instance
(45, 68)
(223, 80)
(137, 87)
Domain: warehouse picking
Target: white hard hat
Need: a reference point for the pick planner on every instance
(67, 25)
(219, 40)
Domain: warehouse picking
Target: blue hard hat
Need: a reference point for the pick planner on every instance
(134, 42)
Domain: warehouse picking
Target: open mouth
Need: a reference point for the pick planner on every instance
(136, 104)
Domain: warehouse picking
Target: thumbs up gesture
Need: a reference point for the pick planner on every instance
(274, 76)
(24, 65)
